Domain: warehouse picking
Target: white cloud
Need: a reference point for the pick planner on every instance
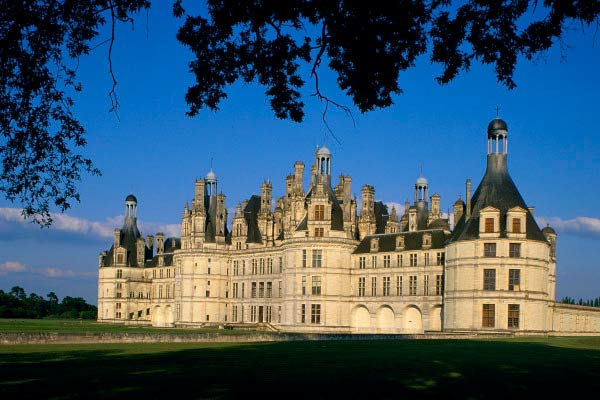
(399, 207)
(82, 226)
(587, 226)
(15, 267)
(12, 267)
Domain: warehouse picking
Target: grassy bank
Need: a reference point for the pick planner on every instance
(83, 326)
(510, 368)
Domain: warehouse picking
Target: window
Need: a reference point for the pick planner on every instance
(412, 288)
(303, 314)
(441, 258)
(426, 285)
(303, 258)
(315, 313)
(235, 289)
(317, 258)
(362, 283)
(514, 250)
(168, 291)
(280, 264)
(413, 260)
(319, 232)
(513, 316)
(514, 279)
(374, 262)
(161, 272)
(319, 212)
(373, 286)
(488, 317)
(386, 285)
(253, 289)
(489, 249)
(304, 285)
(262, 266)
(269, 265)
(439, 285)
(160, 292)
(234, 314)
(489, 279)
(168, 272)
(236, 269)
(119, 273)
(269, 313)
(254, 266)
(316, 285)
(398, 286)
(386, 261)
(243, 290)
(119, 259)
(516, 225)
(489, 225)
(362, 262)
(426, 258)
(280, 288)
(269, 289)
(399, 260)
(261, 289)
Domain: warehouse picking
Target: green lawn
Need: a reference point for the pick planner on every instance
(83, 326)
(478, 369)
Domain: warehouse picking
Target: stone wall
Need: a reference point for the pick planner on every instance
(571, 319)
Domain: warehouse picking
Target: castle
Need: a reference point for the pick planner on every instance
(309, 262)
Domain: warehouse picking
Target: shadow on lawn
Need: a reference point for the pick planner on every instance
(345, 369)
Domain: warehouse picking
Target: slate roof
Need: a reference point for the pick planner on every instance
(251, 216)
(381, 216)
(171, 244)
(412, 241)
(498, 190)
(129, 236)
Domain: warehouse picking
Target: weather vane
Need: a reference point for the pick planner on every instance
(497, 111)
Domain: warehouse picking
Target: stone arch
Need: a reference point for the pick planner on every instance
(385, 319)
(361, 318)
(435, 318)
(157, 316)
(413, 320)
(168, 316)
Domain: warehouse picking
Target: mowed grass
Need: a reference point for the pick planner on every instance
(477, 369)
(83, 327)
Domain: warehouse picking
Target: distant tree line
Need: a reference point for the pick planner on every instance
(17, 304)
(590, 302)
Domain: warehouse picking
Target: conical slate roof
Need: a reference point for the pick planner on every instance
(497, 190)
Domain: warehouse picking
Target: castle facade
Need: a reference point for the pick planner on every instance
(310, 262)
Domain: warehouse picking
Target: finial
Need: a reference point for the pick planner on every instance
(497, 111)
(211, 162)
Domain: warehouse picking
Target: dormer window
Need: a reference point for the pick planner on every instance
(489, 222)
(516, 225)
(515, 222)
(489, 225)
(427, 240)
(400, 243)
(374, 244)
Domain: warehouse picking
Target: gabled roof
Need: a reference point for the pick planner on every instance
(497, 190)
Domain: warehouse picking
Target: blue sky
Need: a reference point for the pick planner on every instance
(156, 152)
